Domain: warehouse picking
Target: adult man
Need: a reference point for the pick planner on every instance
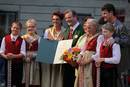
(108, 13)
(120, 35)
(74, 26)
(74, 31)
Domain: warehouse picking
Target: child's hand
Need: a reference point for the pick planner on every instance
(97, 64)
(27, 59)
(5, 56)
(10, 56)
(99, 61)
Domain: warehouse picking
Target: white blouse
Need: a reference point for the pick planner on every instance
(116, 53)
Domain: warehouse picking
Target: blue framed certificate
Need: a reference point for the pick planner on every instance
(50, 51)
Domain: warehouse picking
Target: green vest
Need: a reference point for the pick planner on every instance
(76, 34)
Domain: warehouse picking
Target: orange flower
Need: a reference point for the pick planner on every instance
(70, 55)
(66, 52)
(76, 49)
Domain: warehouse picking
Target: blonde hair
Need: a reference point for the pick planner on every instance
(109, 27)
(31, 20)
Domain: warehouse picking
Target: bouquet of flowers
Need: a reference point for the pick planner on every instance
(71, 56)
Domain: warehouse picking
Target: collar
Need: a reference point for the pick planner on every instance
(75, 26)
(13, 38)
(117, 22)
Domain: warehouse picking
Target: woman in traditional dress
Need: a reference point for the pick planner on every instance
(87, 43)
(55, 32)
(31, 68)
(52, 75)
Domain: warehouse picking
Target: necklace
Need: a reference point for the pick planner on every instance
(55, 34)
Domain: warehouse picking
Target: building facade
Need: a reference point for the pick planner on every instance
(41, 10)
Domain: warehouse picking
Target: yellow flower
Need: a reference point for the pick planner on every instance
(70, 56)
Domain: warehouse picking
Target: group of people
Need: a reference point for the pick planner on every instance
(18, 51)
(101, 52)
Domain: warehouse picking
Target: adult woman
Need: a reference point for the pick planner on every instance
(31, 66)
(55, 32)
(87, 43)
(52, 74)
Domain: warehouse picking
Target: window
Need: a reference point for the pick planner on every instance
(6, 18)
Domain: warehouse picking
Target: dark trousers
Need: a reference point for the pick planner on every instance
(108, 77)
(17, 72)
(68, 76)
(2, 70)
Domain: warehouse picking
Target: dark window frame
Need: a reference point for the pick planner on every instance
(7, 17)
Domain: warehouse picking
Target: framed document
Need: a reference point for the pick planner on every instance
(50, 51)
